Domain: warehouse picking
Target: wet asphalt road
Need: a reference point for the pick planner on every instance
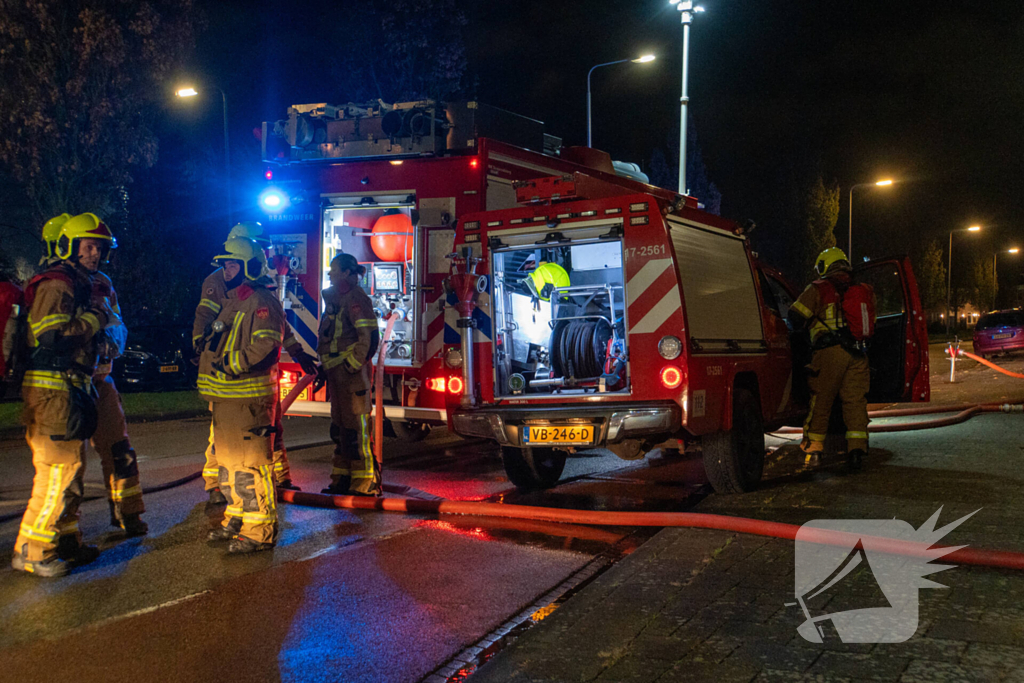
(346, 596)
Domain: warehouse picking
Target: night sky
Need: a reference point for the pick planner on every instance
(929, 93)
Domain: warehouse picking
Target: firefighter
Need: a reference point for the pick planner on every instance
(64, 322)
(214, 290)
(238, 375)
(348, 336)
(118, 460)
(839, 364)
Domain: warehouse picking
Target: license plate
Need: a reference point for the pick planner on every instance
(305, 395)
(168, 368)
(1004, 335)
(560, 435)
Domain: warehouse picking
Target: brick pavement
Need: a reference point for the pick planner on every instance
(700, 605)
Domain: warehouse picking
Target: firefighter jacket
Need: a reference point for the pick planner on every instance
(346, 330)
(111, 341)
(63, 322)
(821, 306)
(215, 291)
(240, 363)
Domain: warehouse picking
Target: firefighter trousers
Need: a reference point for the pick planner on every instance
(282, 470)
(52, 514)
(244, 434)
(354, 465)
(837, 373)
(117, 457)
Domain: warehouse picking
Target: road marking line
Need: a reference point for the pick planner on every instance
(144, 610)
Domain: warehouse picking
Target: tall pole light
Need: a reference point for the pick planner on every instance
(995, 274)
(949, 271)
(849, 239)
(190, 91)
(687, 10)
(639, 60)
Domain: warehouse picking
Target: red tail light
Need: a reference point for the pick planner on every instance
(473, 163)
(436, 384)
(455, 385)
(671, 376)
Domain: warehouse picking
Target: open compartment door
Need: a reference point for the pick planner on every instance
(899, 349)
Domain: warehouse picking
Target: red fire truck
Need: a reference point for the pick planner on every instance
(388, 184)
(627, 321)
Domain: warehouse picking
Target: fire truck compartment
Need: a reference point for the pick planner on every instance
(561, 309)
(381, 232)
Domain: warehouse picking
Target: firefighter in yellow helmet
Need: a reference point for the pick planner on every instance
(348, 337)
(214, 290)
(65, 322)
(839, 365)
(238, 372)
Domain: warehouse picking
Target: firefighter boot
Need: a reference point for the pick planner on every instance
(50, 568)
(243, 546)
(226, 531)
(75, 553)
(855, 459)
(338, 487)
(134, 526)
(217, 500)
(287, 484)
(813, 450)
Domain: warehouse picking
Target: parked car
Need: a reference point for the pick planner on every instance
(999, 332)
(157, 358)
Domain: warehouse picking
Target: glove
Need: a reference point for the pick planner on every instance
(198, 345)
(321, 379)
(218, 365)
(306, 362)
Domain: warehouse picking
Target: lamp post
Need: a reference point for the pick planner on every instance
(190, 91)
(849, 240)
(639, 60)
(995, 274)
(687, 10)
(949, 271)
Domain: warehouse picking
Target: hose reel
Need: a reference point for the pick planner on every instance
(579, 347)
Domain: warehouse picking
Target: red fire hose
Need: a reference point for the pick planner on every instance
(961, 352)
(973, 556)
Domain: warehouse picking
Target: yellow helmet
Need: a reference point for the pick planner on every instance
(82, 226)
(251, 230)
(547, 274)
(244, 249)
(51, 231)
(829, 258)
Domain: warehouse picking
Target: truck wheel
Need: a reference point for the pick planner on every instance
(734, 460)
(411, 431)
(533, 468)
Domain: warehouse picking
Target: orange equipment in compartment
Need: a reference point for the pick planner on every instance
(392, 236)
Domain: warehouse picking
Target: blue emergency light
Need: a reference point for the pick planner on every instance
(273, 200)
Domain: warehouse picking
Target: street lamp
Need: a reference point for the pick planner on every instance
(190, 91)
(949, 272)
(687, 10)
(849, 242)
(639, 60)
(995, 276)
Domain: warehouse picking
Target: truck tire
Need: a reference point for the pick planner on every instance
(533, 468)
(410, 431)
(734, 460)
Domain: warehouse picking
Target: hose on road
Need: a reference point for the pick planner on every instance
(964, 413)
(971, 556)
(961, 352)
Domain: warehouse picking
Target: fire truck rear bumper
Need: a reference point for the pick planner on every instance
(613, 423)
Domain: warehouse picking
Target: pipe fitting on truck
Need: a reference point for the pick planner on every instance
(467, 285)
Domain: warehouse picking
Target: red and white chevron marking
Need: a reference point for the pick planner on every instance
(652, 297)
